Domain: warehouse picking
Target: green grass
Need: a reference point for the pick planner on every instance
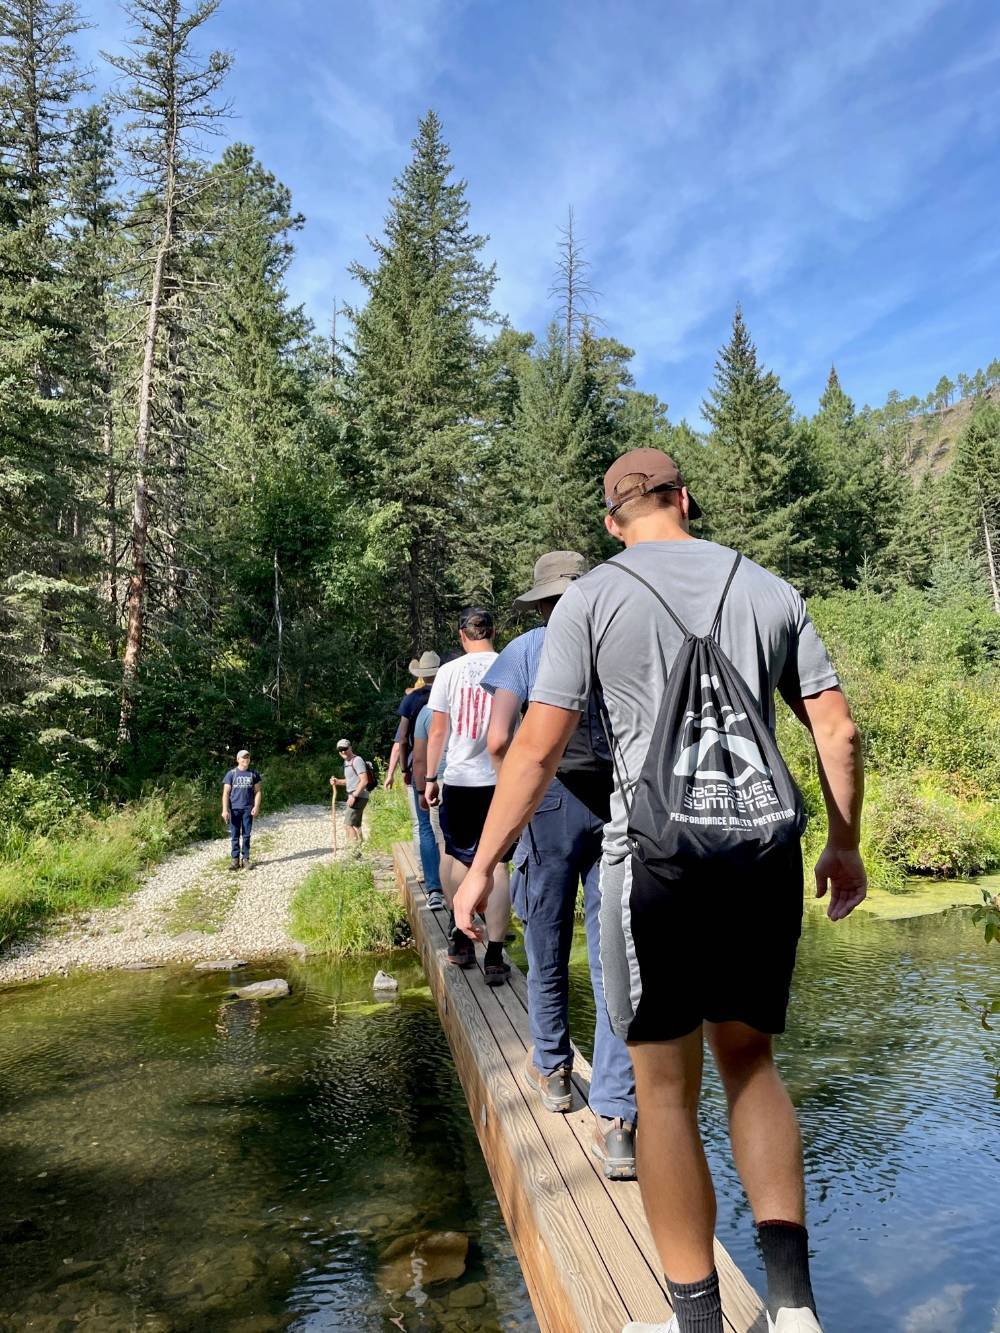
(88, 862)
(339, 910)
(387, 819)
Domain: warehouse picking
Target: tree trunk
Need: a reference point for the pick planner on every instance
(177, 462)
(111, 517)
(138, 581)
(991, 561)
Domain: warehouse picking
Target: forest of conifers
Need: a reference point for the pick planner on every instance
(220, 525)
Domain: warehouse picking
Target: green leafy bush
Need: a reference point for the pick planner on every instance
(338, 910)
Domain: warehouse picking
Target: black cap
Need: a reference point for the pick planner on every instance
(476, 618)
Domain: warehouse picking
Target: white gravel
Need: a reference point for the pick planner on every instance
(143, 930)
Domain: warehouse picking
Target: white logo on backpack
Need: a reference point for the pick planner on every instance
(716, 730)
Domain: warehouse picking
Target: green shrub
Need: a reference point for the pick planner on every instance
(387, 819)
(338, 910)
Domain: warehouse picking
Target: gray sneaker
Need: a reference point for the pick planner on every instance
(801, 1320)
(613, 1145)
(234, 864)
(435, 900)
(555, 1089)
(246, 863)
(672, 1327)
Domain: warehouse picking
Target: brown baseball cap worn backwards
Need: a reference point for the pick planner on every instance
(659, 473)
(553, 574)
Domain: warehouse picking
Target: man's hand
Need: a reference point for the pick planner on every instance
(842, 871)
(225, 816)
(432, 794)
(387, 784)
(350, 800)
(470, 899)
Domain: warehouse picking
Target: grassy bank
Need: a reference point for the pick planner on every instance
(339, 910)
(62, 852)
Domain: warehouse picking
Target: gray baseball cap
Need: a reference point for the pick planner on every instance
(553, 574)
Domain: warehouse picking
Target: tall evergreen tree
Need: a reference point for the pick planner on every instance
(973, 495)
(170, 97)
(757, 486)
(420, 390)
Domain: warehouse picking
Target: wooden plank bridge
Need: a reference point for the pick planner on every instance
(582, 1241)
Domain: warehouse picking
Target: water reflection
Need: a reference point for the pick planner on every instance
(899, 1122)
(171, 1158)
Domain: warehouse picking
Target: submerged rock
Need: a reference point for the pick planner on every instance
(220, 964)
(263, 990)
(384, 982)
(422, 1259)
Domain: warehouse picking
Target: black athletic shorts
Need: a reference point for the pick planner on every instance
(714, 947)
(463, 818)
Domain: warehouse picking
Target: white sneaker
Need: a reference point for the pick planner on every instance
(801, 1320)
(672, 1327)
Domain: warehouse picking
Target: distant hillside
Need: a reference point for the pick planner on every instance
(933, 434)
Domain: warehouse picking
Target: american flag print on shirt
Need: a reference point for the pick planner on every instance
(473, 711)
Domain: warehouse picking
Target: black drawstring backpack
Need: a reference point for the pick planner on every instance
(714, 786)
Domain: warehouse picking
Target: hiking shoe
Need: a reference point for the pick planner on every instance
(672, 1327)
(461, 950)
(801, 1320)
(435, 900)
(613, 1145)
(496, 974)
(234, 865)
(246, 863)
(555, 1089)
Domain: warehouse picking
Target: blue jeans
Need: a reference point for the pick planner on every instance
(560, 847)
(240, 822)
(430, 857)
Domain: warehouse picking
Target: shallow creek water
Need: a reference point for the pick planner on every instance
(172, 1160)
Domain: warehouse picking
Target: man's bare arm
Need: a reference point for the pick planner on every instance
(527, 770)
(226, 790)
(404, 742)
(256, 800)
(841, 773)
(436, 741)
(503, 724)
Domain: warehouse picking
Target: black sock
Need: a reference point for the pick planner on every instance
(785, 1247)
(451, 923)
(697, 1305)
(494, 953)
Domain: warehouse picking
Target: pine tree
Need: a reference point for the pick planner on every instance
(169, 96)
(46, 458)
(757, 485)
(973, 495)
(419, 390)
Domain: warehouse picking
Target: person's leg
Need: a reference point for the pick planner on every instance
(414, 823)
(247, 830)
(549, 878)
(767, 1151)
(498, 907)
(429, 856)
(674, 1179)
(612, 1084)
(235, 823)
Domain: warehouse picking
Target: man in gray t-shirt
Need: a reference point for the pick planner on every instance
(706, 954)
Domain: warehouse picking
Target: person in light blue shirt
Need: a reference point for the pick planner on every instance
(559, 849)
(432, 856)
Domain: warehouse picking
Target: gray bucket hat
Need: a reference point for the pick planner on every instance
(426, 665)
(553, 574)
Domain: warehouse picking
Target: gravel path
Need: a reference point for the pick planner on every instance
(192, 906)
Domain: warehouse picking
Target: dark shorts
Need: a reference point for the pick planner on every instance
(712, 948)
(463, 817)
(353, 813)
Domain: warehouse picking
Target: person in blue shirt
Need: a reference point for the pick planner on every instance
(559, 849)
(240, 806)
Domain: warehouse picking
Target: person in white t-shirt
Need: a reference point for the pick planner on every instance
(461, 711)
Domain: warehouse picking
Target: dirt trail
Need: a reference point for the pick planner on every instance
(192, 906)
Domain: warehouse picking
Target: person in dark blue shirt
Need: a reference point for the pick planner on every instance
(240, 806)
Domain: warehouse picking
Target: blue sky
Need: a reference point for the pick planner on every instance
(833, 166)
